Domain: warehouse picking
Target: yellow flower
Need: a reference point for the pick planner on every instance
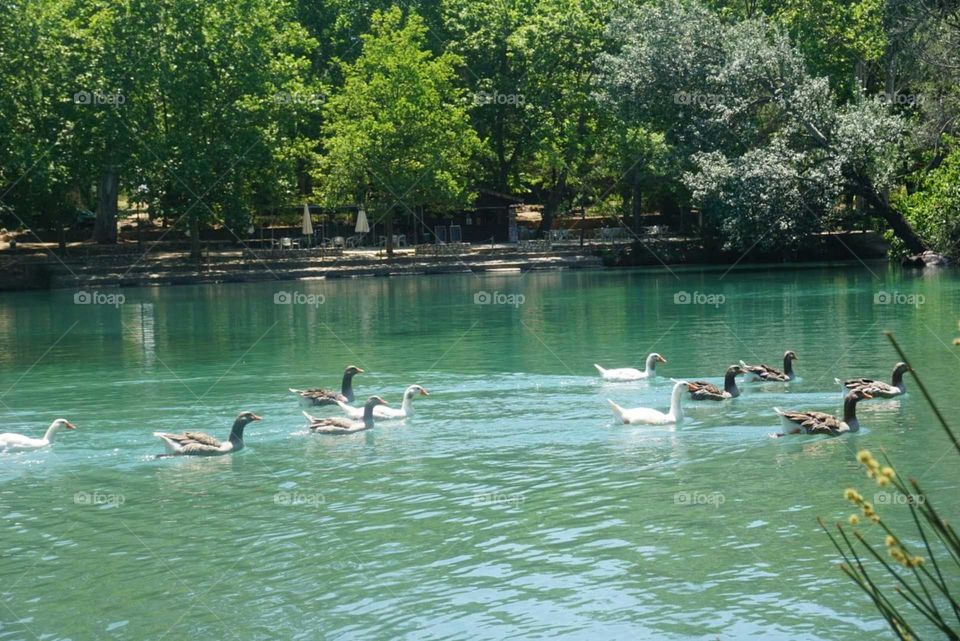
(854, 519)
(874, 518)
(916, 561)
(888, 472)
(890, 540)
(883, 481)
(863, 456)
(852, 495)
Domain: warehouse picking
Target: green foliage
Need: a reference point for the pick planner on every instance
(934, 209)
(769, 149)
(760, 112)
(398, 133)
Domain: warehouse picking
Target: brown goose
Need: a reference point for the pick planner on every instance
(772, 374)
(339, 425)
(821, 422)
(703, 391)
(319, 397)
(200, 444)
(896, 386)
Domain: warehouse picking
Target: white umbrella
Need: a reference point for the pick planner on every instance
(363, 226)
(307, 223)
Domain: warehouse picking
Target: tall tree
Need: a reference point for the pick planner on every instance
(771, 148)
(398, 133)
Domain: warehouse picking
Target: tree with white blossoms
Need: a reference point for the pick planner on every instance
(769, 149)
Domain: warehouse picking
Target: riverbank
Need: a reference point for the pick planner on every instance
(84, 265)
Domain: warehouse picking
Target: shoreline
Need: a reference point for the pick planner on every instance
(95, 267)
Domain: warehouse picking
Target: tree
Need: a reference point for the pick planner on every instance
(228, 83)
(934, 209)
(770, 148)
(559, 45)
(398, 133)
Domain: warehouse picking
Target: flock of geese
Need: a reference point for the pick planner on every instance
(357, 419)
(794, 421)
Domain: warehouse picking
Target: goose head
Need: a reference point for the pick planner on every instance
(898, 371)
(245, 418)
(351, 371)
(652, 361)
(61, 423)
(735, 370)
(790, 355)
(850, 406)
(413, 390)
(373, 401)
(58, 425)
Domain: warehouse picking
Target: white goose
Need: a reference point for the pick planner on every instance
(650, 416)
(11, 441)
(631, 374)
(385, 412)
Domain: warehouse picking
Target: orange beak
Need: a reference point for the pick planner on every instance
(661, 359)
(359, 371)
(257, 418)
(70, 426)
(424, 392)
(867, 395)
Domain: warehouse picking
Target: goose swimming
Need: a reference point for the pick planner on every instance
(771, 374)
(896, 387)
(200, 444)
(649, 416)
(384, 412)
(12, 441)
(320, 397)
(339, 425)
(703, 391)
(822, 423)
(631, 374)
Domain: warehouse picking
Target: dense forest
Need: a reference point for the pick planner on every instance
(774, 119)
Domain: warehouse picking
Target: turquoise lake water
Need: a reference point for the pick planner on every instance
(510, 506)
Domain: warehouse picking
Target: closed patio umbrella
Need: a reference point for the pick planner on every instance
(363, 227)
(307, 223)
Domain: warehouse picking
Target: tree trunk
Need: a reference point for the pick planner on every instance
(636, 202)
(898, 223)
(105, 229)
(194, 238)
(554, 197)
(388, 230)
